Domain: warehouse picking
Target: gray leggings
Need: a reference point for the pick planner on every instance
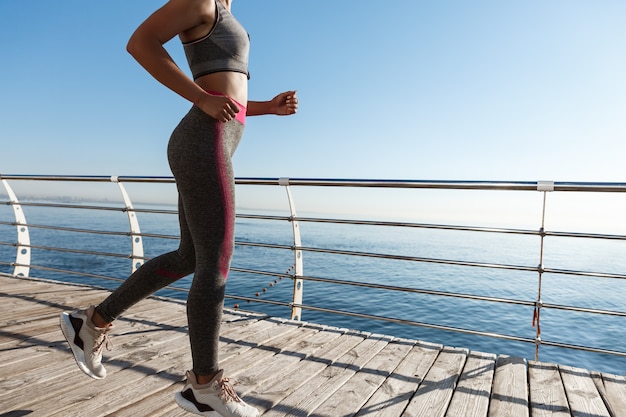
(199, 154)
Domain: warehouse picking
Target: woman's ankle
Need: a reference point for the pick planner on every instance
(205, 379)
(98, 321)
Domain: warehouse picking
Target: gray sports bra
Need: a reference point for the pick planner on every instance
(225, 48)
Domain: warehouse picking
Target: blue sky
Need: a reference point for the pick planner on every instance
(473, 90)
(429, 90)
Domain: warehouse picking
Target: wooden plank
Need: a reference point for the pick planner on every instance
(172, 410)
(12, 285)
(154, 312)
(290, 356)
(306, 398)
(284, 335)
(307, 341)
(435, 392)
(132, 340)
(135, 344)
(239, 366)
(149, 405)
(349, 398)
(393, 396)
(19, 311)
(243, 340)
(137, 385)
(138, 381)
(299, 343)
(24, 360)
(612, 388)
(251, 331)
(582, 394)
(230, 328)
(20, 286)
(27, 307)
(509, 397)
(62, 375)
(471, 396)
(36, 335)
(15, 334)
(547, 395)
(292, 372)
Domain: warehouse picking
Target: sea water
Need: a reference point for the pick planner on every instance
(608, 332)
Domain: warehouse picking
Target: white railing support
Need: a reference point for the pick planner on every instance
(135, 231)
(22, 258)
(298, 282)
(545, 187)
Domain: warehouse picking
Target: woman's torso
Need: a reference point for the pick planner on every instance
(219, 67)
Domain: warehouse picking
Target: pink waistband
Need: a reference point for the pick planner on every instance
(241, 115)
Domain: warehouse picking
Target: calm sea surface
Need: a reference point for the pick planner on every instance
(562, 253)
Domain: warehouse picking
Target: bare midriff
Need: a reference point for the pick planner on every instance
(229, 83)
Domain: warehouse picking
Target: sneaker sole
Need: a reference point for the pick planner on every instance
(70, 334)
(191, 407)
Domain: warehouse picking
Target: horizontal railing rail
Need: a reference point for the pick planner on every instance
(23, 263)
(568, 186)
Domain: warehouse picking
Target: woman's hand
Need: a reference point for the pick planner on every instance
(284, 104)
(221, 108)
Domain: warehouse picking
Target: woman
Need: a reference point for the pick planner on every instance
(199, 154)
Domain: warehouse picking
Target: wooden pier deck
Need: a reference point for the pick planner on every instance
(284, 368)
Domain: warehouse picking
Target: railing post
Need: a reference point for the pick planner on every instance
(22, 258)
(298, 282)
(545, 187)
(135, 232)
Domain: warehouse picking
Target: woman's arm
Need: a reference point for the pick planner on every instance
(283, 104)
(146, 46)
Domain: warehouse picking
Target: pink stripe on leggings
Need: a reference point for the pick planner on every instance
(241, 115)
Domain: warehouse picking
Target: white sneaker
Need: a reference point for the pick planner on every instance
(86, 341)
(214, 399)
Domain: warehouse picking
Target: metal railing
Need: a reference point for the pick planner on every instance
(22, 264)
